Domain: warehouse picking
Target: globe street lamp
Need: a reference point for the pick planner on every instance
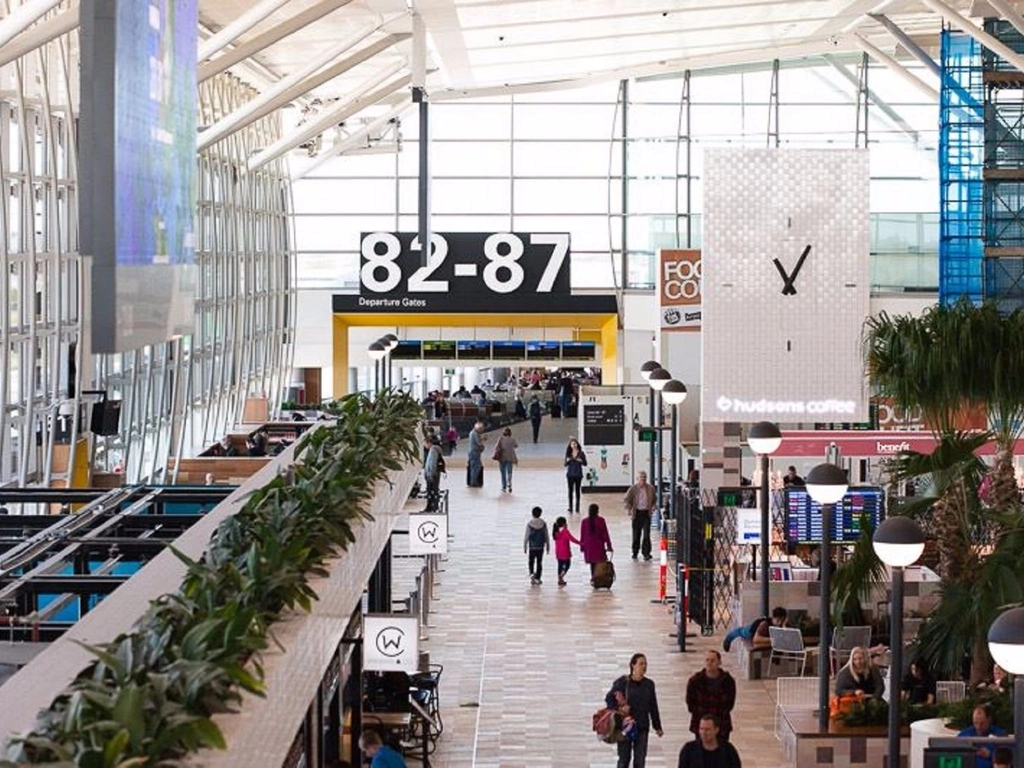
(645, 373)
(1006, 644)
(898, 542)
(764, 439)
(657, 381)
(826, 484)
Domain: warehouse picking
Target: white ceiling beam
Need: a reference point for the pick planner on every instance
(895, 67)
(908, 43)
(1005, 10)
(40, 35)
(368, 93)
(276, 33)
(277, 98)
(238, 27)
(983, 37)
(653, 69)
(279, 94)
(25, 15)
(341, 146)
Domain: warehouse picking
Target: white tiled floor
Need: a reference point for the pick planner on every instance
(525, 666)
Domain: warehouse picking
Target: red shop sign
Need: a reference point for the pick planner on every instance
(863, 444)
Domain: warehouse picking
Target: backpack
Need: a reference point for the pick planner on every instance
(538, 536)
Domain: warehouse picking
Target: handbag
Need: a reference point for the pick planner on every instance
(497, 452)
(610, 726)
(604, 723)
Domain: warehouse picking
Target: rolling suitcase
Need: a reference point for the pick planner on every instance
(604, 575)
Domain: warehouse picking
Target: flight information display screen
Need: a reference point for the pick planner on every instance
(474, 350)
(803, 516)
(509, 350)
(406, 350)
(438, 350)
(543, 350)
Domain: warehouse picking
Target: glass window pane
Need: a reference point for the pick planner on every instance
(457, 196)
(344, 196)
(658, 120)
(549, 158)
(333, 270)
(594, 270)
(570, 121)
(470, 158)
(566, 196)
(452, 120)
(586, 233)
(336, 233)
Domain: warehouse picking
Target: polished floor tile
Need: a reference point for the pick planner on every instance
(526, 666)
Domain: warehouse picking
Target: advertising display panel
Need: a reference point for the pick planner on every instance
(785, 285)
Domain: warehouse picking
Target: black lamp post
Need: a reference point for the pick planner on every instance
(377, 351)
(657, 381)
(673, 393)
(764, 439)
(645, 373)
(826, 484)
(390, 340)
(1006, 644)
(898, 542)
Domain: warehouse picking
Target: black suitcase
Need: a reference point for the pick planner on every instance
(604, 575)
(556, 411)
(478, 480)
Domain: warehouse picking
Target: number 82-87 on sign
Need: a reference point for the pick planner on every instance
(466, 266)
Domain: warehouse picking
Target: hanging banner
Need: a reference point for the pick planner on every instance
(391, 642)
(679, 293)
(428, 534)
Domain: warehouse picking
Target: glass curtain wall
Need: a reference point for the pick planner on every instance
(609, 163)
(177, 396)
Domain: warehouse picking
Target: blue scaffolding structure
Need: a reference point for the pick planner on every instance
(961, 170)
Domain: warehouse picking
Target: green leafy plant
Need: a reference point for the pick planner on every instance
(149, 695)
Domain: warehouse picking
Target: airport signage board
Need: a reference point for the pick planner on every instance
(465, 272)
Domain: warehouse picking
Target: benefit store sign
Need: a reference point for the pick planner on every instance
(467, 272)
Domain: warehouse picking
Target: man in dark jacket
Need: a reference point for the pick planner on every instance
(712, 691)
(708, 751)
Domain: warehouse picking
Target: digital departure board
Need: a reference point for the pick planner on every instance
(509, 350)
(438, 350)
(578, 350)
(473, 350)
(803, 516)
(406, 350)
(543, 350)
(604, 425)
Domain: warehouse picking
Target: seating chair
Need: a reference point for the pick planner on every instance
(949, 691)
(788, 644)
(794, 693)
(844, 640)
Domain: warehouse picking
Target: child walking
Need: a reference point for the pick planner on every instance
(535, 543)
(563, 551)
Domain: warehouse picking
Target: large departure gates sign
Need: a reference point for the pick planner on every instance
(465, 272)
